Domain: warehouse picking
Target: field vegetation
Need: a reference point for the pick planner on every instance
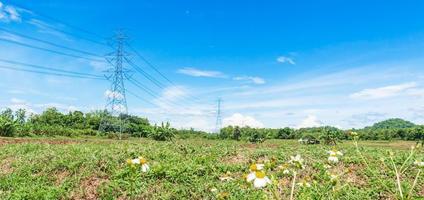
(63, 156)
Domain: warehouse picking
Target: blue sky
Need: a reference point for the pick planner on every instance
(274, 64)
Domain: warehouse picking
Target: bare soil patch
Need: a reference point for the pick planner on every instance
(61, 176)
(89, 188)
(6, 165)
(234, 159)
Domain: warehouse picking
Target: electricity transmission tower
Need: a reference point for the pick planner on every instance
(116, 105)
(218, 123)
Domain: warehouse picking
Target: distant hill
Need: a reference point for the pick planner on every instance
(395, 123)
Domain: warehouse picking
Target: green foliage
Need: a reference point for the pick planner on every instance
(331, 135)
(96, 169)
(163, 132)
(236, 133)
(395, 123)
(285, 133)
(7, 127)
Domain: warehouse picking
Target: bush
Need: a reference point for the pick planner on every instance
(236, 134)
(285, 133)
(7, 127)
(331, 135)
(163, 132)
(255, 136)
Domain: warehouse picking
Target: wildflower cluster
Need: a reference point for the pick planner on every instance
(140, 161)
(333, 158)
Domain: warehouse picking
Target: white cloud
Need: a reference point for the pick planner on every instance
(44, 27)
(173, 92)
(17, 101)
(368, 118)
(201, 73)
(9, 13)
(111, 94)
(169, 96)
(310, 121)
(99, 66)
(238, 119)
(383, 92)
(253, 79)
(285, 59)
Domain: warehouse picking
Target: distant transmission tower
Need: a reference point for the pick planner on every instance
(218, 124)
(116, 105)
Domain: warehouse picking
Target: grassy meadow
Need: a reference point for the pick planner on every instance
(91, 168)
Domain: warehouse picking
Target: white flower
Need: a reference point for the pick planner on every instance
(286, 171)
(261, 180)
(335, 153)
(133, 161)
(419, 163)
(145, 168)
(139, 161)
(214, 190)
(296, 161)
(333, 159)
(251, 176)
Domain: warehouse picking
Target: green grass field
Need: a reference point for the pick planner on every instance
(198, 169)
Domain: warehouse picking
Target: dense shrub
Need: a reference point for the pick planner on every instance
(285, 133)
(331, 135)
(163, 132)
(7, 127)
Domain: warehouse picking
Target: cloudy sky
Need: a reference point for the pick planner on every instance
(275, 64)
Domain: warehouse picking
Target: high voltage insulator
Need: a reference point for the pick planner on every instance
(116, 105)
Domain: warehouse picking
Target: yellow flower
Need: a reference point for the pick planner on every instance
(256, 167)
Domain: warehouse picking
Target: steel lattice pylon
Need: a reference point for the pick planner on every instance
(116, 105)
(218, 124)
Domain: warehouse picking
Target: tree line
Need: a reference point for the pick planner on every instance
(391, 129)
(51, 122)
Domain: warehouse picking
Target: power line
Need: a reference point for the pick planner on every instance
(51, 69)
(48, 50)
(48, 73)
(150, 64)
(67, 25)
(156, 82)
(49, 43)
(145, 74)
(138, 97)
(142, 87)
(150, 92)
